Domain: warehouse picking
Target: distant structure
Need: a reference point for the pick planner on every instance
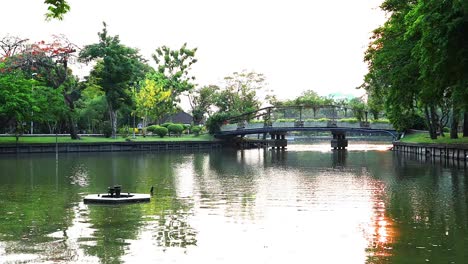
(179, 118)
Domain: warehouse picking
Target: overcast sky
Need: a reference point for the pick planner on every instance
(298, 45)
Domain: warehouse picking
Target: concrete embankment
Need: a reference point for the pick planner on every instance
(445, 151)
(109, 147)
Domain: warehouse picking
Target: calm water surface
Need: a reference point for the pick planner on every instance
(305, 205)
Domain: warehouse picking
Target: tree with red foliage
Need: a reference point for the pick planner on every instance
(49, 63)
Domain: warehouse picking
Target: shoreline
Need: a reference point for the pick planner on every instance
(8, 148)
(442, 150)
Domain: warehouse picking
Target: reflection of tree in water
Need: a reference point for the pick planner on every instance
(173, 230)
(429, 209)
(35, 220)
(169, 223)
(230, 180)
(114, 225)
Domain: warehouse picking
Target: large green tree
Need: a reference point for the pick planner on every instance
(176, 66)
(240, 92)
(48, 63)
(118, 67)
(201, 101)
(417, 62)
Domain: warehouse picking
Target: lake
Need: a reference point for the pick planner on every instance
(304, 205)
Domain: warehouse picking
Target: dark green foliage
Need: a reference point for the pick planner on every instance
(417, 64)
(117, 67)
(124, 131)
(176, 129)
(166, 124)
(201, 100)
(196, 130)
(107, 129)
(158, 130)
(213, 124)
(56, 9)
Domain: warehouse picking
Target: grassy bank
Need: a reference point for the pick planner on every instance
(85, 139)
(424, 138)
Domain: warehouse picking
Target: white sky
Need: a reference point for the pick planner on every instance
(297, 44)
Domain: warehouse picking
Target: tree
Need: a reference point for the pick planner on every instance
(176, 65)
(152, 98)
(24, 99)
(56, 9)
(417, 62)
(201, 101)
(48, 62)
(240, 92)
(310, 98)
(359, 108)
(118, 66)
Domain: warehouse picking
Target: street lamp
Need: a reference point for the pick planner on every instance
(32, 112)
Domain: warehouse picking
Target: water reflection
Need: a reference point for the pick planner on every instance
(305, 204)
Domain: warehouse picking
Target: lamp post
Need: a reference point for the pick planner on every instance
(32, 112)
(134, 113)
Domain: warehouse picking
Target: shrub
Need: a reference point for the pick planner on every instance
(176, 128)
(284, 120)
(324, 119)
(151, 128)
(167, 124)
(124, 131)
(160, 131)
(256, 121)
(196, 130)
(380, 121)
(107, 129)
(348, 120)
(214, 122)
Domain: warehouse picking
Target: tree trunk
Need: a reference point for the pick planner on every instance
(465, 124)
(71, 122)
(72, 126)
(430, 124)
(454, 125)
(113, 120)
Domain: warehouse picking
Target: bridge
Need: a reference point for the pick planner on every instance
(278, 121)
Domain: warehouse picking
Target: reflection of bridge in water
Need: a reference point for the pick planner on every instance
(278, 121)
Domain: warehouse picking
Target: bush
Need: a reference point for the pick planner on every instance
(256, 121)
(380, 121)
(166, 125)
(176, 128)
(158, 130)
(196, 130)
(214, 122)
(324, 119)
(285, 120)
(124, 131)
(107, 129)
(349, 120)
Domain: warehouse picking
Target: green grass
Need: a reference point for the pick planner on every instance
(84, 139)
(424, 138)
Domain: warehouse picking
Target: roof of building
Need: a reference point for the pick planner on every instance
(180, 117)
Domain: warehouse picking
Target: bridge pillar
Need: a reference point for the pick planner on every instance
(278, 140)
(339, 140)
